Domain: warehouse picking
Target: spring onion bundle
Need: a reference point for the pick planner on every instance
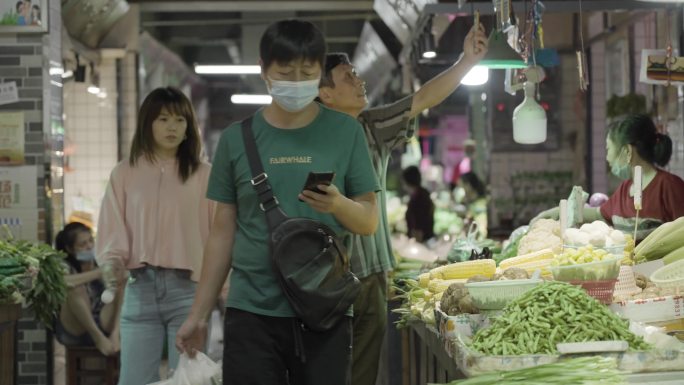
(576, 371)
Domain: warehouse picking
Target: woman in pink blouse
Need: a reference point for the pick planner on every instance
(154, 222)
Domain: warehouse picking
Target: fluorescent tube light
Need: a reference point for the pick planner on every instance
(227, 69)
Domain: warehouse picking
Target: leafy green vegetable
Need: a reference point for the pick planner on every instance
(44, 263)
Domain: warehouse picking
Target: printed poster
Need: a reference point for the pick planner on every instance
(11, 138)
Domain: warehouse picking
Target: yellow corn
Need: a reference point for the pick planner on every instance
(464, 270)
(439, 285)
(423, 280)
(525, 259)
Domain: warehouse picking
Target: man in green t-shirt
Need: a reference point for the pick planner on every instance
(264, 341)
(386, 127)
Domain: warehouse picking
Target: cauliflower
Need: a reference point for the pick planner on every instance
(544, 234)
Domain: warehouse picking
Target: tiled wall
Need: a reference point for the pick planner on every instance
(91, 140)
(25, 59)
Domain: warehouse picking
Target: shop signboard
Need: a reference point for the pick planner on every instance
(654, 68)
(11, 138)
(23, 16)
(19, 202)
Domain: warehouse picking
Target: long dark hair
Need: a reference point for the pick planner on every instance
(475, 182)
(65, 242)
(640, 132)
(188, 154)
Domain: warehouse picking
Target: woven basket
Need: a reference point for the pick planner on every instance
(626, 284)
(601, 290)
(671, 275)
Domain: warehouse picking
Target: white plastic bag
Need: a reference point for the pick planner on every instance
(200, 370)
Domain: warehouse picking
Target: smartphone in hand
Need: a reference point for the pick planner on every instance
(316, 178)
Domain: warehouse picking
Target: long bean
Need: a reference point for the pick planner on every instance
(549, 314)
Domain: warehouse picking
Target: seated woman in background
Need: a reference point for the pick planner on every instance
(475, 200)
(84, 319)
(635, 141)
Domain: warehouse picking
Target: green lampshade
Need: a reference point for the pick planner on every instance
(500, 55)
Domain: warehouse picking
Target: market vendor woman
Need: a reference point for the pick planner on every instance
(635, 141)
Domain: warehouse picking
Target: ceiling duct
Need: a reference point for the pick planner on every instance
(373, 61)
(88, 21)
(401, 16)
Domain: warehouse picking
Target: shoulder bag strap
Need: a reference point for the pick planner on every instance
(268, 202)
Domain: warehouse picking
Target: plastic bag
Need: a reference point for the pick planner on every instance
(200, 370)
(463, 248)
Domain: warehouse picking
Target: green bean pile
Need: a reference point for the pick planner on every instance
(552, 313)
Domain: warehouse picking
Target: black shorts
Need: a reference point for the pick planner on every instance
(276, 350)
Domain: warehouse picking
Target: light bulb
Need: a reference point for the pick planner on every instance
(529, 119)
(477, 76)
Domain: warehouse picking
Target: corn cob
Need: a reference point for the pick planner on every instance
(464, 270)
(541, 255)
(439, 285)
(423, 280)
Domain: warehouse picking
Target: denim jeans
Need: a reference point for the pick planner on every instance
(156, 303)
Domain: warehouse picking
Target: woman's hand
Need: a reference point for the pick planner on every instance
(323, 203)
(113, 272)
(192, 336)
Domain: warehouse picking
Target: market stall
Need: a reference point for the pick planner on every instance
(31, 276)
(546, 299)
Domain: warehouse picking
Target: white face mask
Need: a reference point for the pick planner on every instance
(85, 256)
(293, 96)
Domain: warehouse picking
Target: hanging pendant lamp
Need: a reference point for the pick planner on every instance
(529, 119)
(500, 55)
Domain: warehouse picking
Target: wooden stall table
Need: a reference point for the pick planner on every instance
(9, 314)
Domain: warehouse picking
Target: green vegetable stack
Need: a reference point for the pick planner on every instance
(20, 259)
(549, 314)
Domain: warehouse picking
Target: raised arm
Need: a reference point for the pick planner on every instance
(442, 85)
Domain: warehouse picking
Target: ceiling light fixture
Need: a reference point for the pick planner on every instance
(250, 99)
(500, 55)
(227, 69)
(477, 76)
(429, 54)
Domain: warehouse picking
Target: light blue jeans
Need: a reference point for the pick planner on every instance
(156, 302)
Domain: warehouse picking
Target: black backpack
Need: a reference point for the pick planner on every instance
(310, 262)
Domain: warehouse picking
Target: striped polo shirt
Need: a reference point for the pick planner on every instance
(386, 128)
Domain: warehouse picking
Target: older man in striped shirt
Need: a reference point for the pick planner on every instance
(386, 128)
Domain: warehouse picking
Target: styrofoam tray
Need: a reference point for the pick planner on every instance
(651, 310)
